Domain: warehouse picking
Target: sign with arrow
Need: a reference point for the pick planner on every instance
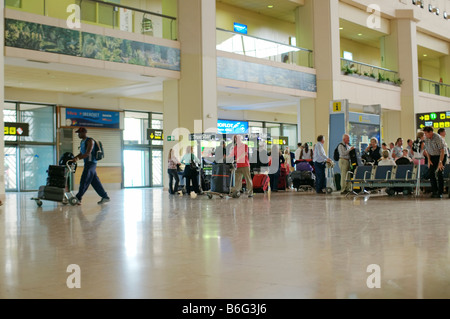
(155, 135)
(16, 129)
(436, 120)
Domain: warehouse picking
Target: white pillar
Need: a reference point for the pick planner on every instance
(198, 83)
(2, 99)
(299, 122)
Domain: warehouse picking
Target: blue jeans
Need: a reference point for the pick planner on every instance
(173, 175)
(320, 176)
(89, 177)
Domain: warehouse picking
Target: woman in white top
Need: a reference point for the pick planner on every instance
(172, 170)
(385, 160)
(306, 153)
(287, 159)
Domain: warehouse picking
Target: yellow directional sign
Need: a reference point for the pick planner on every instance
(16, 129)
(337, 106)
(434, 119)
(155, 135)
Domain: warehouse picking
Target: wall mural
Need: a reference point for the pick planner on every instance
(44, 38)
(265, 74)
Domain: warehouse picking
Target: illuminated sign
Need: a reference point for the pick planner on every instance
(232, 127)
(436, 120)
(16, 129)
(240, 28)
(279, 140)
(92, 118)
(155, 135)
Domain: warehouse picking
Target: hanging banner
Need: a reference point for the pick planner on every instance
(92, 118)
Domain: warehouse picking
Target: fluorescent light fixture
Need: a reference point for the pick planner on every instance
(360, 34)
(341, 28)
(425, 55)
(270, 6)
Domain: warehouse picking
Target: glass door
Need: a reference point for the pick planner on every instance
(136, 167)
(157, 167)
(27, 157)
(11, 183)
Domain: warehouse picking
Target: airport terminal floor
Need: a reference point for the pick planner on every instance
(147, 244)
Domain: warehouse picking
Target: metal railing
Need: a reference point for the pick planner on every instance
(238, 43)
(106, 14)
(433, 87)
(382, 75)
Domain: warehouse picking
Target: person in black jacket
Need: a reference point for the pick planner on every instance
(373, 151)
(275, 167)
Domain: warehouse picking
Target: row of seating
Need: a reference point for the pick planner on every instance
(393, 178)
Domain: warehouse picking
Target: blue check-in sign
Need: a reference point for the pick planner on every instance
(232, 127)
(240, 28)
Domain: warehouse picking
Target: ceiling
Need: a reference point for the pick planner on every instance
(94, 83)
(360, 34)
(282, 9)
(429, 57)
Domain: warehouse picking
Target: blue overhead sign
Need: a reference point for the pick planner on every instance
(232, 127)
(240, 28)
(92, 118)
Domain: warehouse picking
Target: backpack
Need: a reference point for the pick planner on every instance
(336, 152)
(97, 151)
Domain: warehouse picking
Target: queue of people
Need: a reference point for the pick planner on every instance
(276, 159)
(428, 148)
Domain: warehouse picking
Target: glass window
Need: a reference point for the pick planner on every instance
(157, 123)
(10, 115)
(290, 131)
(274, 129)
(34, 161)
(10, 168)
(136, 125)
(41, 122)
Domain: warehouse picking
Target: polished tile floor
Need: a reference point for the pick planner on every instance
(147, 244)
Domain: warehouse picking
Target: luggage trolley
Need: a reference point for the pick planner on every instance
(219, 187)
(59, 193)
(331, 183)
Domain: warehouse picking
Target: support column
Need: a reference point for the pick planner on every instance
(171, 124)
(406, 29)
(299, 122)
(318, 29)
(2, 99)
(327, 61)
(445, 69)
(198, 84)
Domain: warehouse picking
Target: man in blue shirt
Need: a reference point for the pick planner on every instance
(320, 159)
(89, 175)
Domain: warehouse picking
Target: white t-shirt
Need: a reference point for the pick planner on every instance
(297, 153)
(386, 162)
(306, 155)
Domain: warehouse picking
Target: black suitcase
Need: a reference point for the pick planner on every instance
(302, 178)
(56, 181)
(56, 171)
(51, 193)
(221, 178)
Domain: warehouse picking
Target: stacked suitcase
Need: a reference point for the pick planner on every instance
(56, 184)
(302, 179)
